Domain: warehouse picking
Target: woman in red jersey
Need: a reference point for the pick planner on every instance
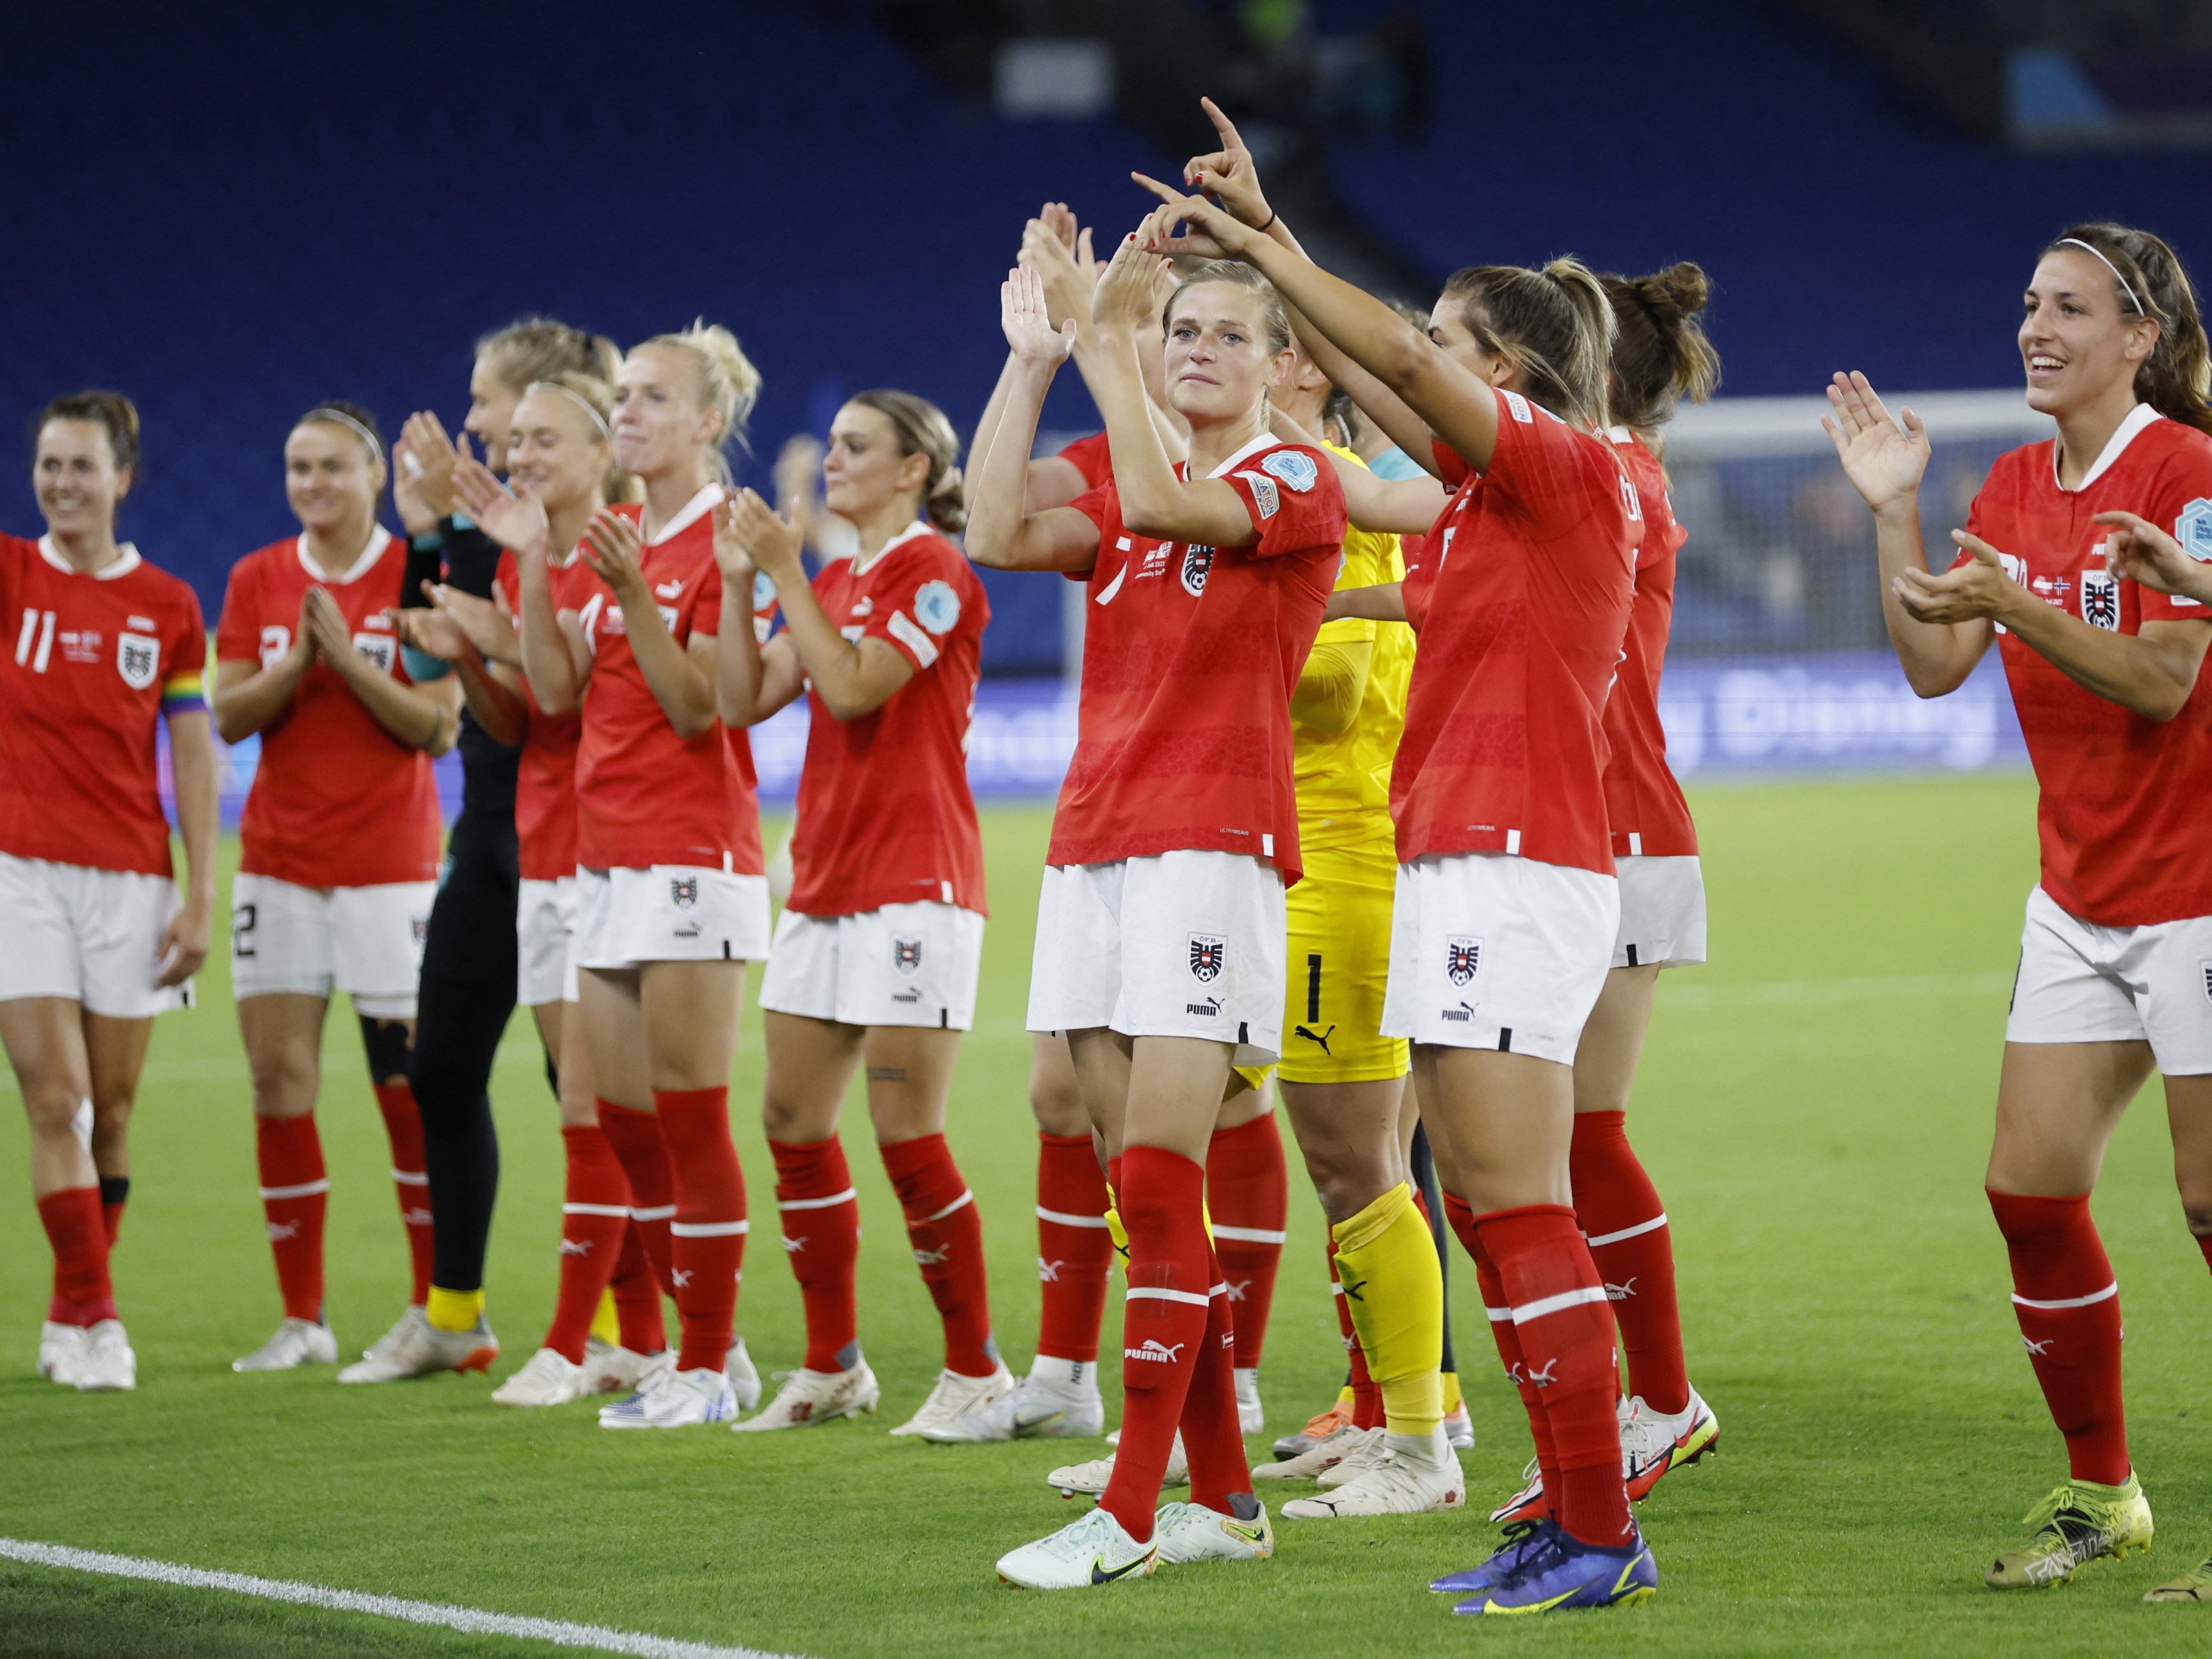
(339, 845)
(671, 900)
(2104, 673)
(559, 450)
(879, 944)
(1160, 929)
(1507, 904)
(99, 941)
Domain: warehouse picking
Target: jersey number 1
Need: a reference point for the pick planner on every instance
(36, 642)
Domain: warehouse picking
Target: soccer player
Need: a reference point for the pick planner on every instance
(876, 953)
(1506, 904)
(99, 938)
(671, 899)
(338, 853)
(1161, 922)
(2105, 674)
(1660, 355)
(469, 972)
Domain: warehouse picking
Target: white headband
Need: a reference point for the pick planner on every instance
(2075, 241)
(575, 397)
(324, 412)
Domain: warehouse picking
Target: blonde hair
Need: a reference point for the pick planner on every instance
(1555, 325)
(598, 398)
(923, 429)
(726, 376)
(538, 348)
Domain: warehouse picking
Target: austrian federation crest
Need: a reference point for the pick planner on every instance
(1208, 951)
(2100, 600)
(685, 890)
(137, 658)
(906, 956)
(1463, 957)
(1197, 566)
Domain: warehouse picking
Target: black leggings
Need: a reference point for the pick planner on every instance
(1425, 1180)
(467, 998)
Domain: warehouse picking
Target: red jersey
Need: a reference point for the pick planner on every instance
(1420, 575)
(96, 659)
(545, 773)
(1088, 457)
(1189, 657)
(2121, 815)
(1643, 801)
(885, 813)
(336, 800)
(645, 796)
(1533, 575)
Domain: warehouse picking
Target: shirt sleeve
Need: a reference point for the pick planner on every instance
(1546, 473)
(183, 686)
(1295, 502)
(238, 634)
(1102, 507)
(1449, 463)
(917, 611)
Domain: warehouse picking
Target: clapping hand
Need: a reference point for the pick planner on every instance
(1973, 589)
(1028, 324)
(772, 542)
(2139, 550)
(516, 521)
(1126, 299)
(614, 549)
(1883, 460)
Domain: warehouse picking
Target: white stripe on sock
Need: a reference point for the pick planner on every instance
(1248, 1235)
(964, 1198)
(1062, 1219)
(1559, 1303)
(1650, 1226)
(596, 1209)
(1497, 1315)
(1150, 1293)
(306, 1189)
(707, 1229)
(2091, 1300)
(849, 1195)
(656, 1213)
(410, 1177)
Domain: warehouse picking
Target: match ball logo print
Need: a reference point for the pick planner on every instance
(137, 658)
(1462, 957)
(1197, 566)
(2100, 600)
(937, 607)
(1294, 467)
(1208, 951)
(685, 890)
(906, 956)
(2193, 529)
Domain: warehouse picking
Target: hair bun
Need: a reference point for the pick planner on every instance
(1681, 291)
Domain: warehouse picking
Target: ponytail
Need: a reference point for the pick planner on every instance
(1556, 324)
(2148, 281)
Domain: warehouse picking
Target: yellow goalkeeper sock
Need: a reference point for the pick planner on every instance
(606, 1325)
(1393, 1285)
(454, 1310)
(1453, 1398)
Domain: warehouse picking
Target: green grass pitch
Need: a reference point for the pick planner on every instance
(1814, 1107)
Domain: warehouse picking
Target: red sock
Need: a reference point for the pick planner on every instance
(637, 1296)
(1461, 1216)
(2205, 1245)
(1249, 1197)
(2069, 1308)
(821, 1216)
(114, 1193)
(706, 1238)
(403, 1124)
(1213, 1437)
(294, 1191)
(1619, 1213)
(1075, 1253)
(594, 1216)
(1366, 1398)
(1163, 1321)
(635, 1137)
(947, 1236)
(1564, 1327)
(83, 1295)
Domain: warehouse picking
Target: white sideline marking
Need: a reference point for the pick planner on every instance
(559, 1631)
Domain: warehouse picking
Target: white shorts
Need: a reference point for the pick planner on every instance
(905, 964)
(1662, 912)
(316, 941)
(94, 936)
(1492, 950)
(545, 931)
(1183, 943)
(669, 913)
(2079, 983)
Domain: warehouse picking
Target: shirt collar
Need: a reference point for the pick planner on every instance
(2138, 417)
(379, 539)
(123, 564)
(917, 528)
(697, 508)
(1264, 440)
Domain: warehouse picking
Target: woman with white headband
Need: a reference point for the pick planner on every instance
(2105, 672)
(339, 842)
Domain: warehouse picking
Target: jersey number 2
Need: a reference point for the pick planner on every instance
(36, 642)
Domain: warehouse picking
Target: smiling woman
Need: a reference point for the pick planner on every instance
(2066, 564)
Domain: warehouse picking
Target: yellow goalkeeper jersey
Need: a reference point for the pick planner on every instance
(1344, 777)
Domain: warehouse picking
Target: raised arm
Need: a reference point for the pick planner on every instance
(1401, 507)
(683, 687)
(1884, 462)
(1003, 533)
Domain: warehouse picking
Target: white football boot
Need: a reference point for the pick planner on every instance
(1092, 1551)
(955, 1394)
(107, 1365)
(611, 1370)
(547, 1378)
(1404, 1480)
(1092, 1476)
(386, 1346)
(744, 1376)
(1357, 1462)
(297, 1342)
(808, 1398)
(1038, 1408)
(420, 1349)
(1191, 1532)
(60, 1347)
(1459, 1428)
(674, 1400)
(1322, 1455)
(1250, 1417)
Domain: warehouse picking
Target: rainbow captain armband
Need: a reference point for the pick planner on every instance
(184, 694)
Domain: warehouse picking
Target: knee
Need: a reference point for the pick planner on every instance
(389, 1046)
(784, 1117)
(2199, 1217)
(53, 1108)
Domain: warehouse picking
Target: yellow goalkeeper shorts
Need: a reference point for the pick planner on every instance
(1338, 963)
